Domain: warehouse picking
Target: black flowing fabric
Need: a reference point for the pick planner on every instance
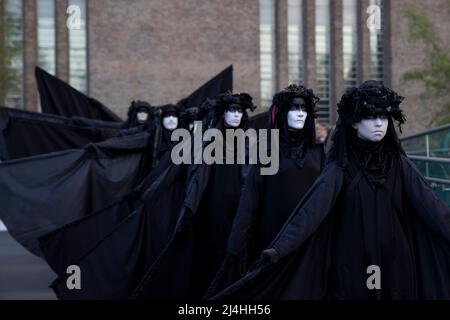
(122, 240)
(219, 84)
(165, 144)
(25, 134)
(57, 97)
(43, 193)
(193, 256)
(348, 222)
(265, 205)
(115, 246)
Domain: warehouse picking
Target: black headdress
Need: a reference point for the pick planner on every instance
(282, 103)
(359, 103)
(135, 108)
(190, 115)
(159, 134)
(169, 109)
(220, 103)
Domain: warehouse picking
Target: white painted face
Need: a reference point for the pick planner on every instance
(142, 117)
(170, 122)
(296, 118)
(373, 129)
(233, 117)
(297, 114)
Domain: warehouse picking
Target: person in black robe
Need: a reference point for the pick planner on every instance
(267, 201)
(167, 119)
(139, 113)
(212, 197)
(189, 115)
(141, 116)
(160, 122)
(370, 213)
(117, 245)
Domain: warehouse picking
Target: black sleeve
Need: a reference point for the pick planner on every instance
(311, 210)
(246, 213)
(431, 210)
(322, 157)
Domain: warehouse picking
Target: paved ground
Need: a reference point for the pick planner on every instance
(22, 275)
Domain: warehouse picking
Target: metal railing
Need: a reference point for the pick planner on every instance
(430, 143)
(430, 152)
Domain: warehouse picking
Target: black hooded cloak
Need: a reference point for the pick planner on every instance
(370, 207)
(267, 201)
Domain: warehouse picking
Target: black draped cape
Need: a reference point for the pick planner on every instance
(342, 227)
(24, 134)
(42, 193)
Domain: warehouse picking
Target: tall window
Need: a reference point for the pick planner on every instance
(377, 45)
(46, 35)
(322, 37)
(296, 61)
(267, 51)
(349, 43)
(78, 49)
(11, 54)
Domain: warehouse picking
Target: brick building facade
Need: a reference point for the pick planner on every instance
(160, 51)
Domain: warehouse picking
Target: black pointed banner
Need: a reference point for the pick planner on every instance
(219, 84)
(57, 97)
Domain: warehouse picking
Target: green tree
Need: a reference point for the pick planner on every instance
(10, 52)
(436, 74)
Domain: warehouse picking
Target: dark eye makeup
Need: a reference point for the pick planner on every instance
(234, 109)
(376, 116)
(295, 107)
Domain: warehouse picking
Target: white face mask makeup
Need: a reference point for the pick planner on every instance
(142, 117)
(372, 129)
(296, 119)
(233, 118)
(170, 122)
(297, 114)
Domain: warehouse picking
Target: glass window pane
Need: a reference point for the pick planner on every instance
(12, 52)
(349, 43)
(322, 38)
(377, 45)
(267, 51)
(295, 42)
(46, 35)
(78, 50)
